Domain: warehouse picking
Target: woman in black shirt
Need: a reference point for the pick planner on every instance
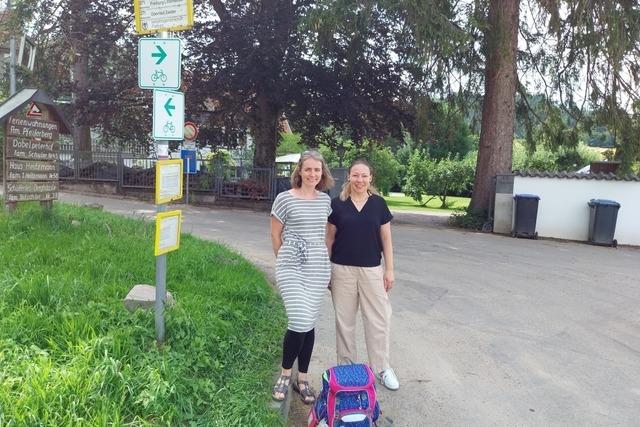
(358, 236)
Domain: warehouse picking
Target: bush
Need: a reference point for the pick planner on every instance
(468, 220)
(439, 178)
(545, 159)
(290, 143)
(403, 154)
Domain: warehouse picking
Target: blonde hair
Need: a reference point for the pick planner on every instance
(346, 187)
(326, 181)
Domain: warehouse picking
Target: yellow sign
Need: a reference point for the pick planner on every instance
(168, 226)
(168, 180)
(153, 16)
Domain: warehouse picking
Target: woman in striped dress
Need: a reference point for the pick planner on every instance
(298, 228)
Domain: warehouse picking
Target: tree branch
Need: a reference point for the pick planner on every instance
(220, 10)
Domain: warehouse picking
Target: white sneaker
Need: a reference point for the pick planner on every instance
(388, 379)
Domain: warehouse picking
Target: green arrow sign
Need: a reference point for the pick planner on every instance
(160, 54)
(168, 107)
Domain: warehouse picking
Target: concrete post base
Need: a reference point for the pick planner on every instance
(144, 296)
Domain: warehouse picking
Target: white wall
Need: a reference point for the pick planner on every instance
(563, 211)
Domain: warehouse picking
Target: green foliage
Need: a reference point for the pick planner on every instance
(442, 128)
(290, 143)
(469, 220)
(544, 159)
(403, 155)
(384, 164)
(70, 353)
(598, 40)
(330, 156)
(220, 157)
(332, 143)
(440, 177)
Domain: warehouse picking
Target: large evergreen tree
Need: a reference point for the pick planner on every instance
(498, 105)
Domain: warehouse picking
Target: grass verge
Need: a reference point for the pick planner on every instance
(400, 202)
(70, 354)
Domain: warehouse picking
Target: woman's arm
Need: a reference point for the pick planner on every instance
(330, 237)
(387, 253)
(276, 235)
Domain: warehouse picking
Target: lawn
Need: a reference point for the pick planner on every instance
(70, 353)
(400, 202)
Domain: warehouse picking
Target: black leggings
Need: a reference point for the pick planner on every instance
(297, 345)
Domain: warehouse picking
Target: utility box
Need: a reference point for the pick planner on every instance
(603, 215)
(525, 216)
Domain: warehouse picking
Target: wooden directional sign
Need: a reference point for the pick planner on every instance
(153, 16)
(159, 63)
(24, 170)
(32, 128)
(31, 190)
(29, 149)
(31, 159)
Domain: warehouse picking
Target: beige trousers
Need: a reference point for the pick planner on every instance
(353, 287)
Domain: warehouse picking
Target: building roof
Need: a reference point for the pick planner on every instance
(288, 158)
(578, 175)
(19, 99)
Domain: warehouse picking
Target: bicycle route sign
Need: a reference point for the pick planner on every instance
(159, 63)
(168, 115)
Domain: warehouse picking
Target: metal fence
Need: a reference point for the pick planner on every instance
(134, 171)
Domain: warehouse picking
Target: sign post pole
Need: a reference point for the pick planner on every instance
(168, 124)
(161, 270)
(188, 170)
(161, 289)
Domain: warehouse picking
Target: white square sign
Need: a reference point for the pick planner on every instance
(159, 63)
(168, 115)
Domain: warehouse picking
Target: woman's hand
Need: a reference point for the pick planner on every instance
(389, 279)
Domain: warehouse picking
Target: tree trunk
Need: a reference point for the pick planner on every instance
(81, 128)
(265, 132)
(80, 78)
(498, 107)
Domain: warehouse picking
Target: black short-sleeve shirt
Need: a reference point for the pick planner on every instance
(358, 242)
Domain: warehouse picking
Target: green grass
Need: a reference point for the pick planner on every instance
(70, 353)
(400, 202)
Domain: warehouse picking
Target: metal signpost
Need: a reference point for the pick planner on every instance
(159, 68)
(168, 189)
(159, 63)
(190, 166)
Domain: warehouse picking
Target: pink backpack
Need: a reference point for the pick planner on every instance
(347, 398)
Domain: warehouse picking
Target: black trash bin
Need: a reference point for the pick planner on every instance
(526, 214)
(603, 215)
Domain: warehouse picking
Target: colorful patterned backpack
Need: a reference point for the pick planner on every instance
(347, 398)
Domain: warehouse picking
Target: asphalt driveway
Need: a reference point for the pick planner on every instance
(487, 330)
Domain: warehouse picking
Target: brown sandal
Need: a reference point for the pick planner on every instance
(282, 386)
(307, 395)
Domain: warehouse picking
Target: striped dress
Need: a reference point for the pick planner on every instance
(302, 265)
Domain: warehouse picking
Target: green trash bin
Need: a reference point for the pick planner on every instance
(603, 215)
